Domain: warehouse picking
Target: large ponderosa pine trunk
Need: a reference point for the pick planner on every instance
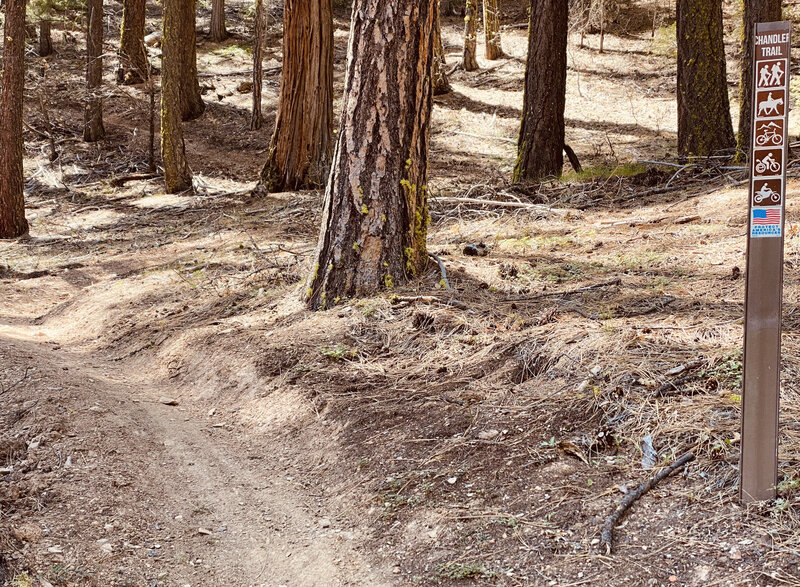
(217, 32)
(491, 29)
(300, 151)
(704, 114)
(375, 213)
(177, 174)
(93, 115)
(441, 85)
(468, 60)
(754, 11)
(132, 54)
(12, 207)
(192, 105)
(541, 136)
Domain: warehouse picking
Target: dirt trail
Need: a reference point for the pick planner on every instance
(188, 503)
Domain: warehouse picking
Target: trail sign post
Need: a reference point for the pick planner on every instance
(758, 467)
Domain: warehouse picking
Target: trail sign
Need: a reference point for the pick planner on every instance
(758, 467)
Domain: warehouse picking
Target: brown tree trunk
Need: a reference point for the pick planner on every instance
(45, 38)
(754, 11)
(93, 115)
(300, 150)
(441, 84)
(132, 55)
(375, 213)
(541, 137)
(491, 29)
(12, 206)
(468, 60)
(258, 65)
(217, 32)
(191, 101)
(177, 175)
(704, 114)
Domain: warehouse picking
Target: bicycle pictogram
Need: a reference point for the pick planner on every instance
(769, 134)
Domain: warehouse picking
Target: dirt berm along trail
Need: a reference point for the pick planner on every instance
(135, 492)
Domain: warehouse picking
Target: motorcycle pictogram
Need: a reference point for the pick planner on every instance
(766, 193)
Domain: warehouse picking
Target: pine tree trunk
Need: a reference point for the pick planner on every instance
(93, 115)
(217, 31)
(704, 114)
(441, 85)
(258, 65)
(491, 29)
(132, 55)
(541, 137)
(468, 61)
(45, 38)
(177, 175)
(300, 151)
(191, 101)
(375, 213)
(12, 206)
(754, 11)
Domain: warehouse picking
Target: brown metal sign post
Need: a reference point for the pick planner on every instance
(758, 467)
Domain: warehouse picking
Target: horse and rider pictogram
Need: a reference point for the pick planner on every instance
(771, 103)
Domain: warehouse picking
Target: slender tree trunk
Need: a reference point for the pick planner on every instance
(491, 29)
(375, 213)
(468, 61)
(441, 85)
(300, 151)
(704, 114)
(191, 101)
(217, 31)
(132, 55)
(12, 206)
(602, 24)
(45, 38)
(541, 137)
(754, 11)
(93, 116)
(258, 65)
(177, 175)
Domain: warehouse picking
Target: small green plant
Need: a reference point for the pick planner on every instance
(338, 353)
(549, 443)
(729, 370)
(21, 580)
(665, 42)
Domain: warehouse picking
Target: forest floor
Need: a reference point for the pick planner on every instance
(171, 415)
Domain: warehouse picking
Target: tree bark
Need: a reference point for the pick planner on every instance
(217, 32)
(191, 101)
(12, 206)
(258, 65)
(704, 114)
(93, 115)
(441, 85)
(468, 60)
(541, 137)
(300, 150)
(177, 175)
(375, 213)
(491, 29)
(754, 11)
(132, 55)
(45, 38)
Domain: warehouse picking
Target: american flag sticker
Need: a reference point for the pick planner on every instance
(765, 222)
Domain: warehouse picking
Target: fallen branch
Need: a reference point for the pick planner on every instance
(442, 269)
(406, 300)
(477, 136)
(607, 531)
(568, 292)
(120, 181)
(13, 385)
(498, 203)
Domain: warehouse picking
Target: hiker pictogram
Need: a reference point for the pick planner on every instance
(771, 74)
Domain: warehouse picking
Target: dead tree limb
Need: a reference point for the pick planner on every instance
(568, 292)
(607, 531)
(442, 268)
(573, 158)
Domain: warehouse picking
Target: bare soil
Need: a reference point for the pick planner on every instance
(172, 415)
